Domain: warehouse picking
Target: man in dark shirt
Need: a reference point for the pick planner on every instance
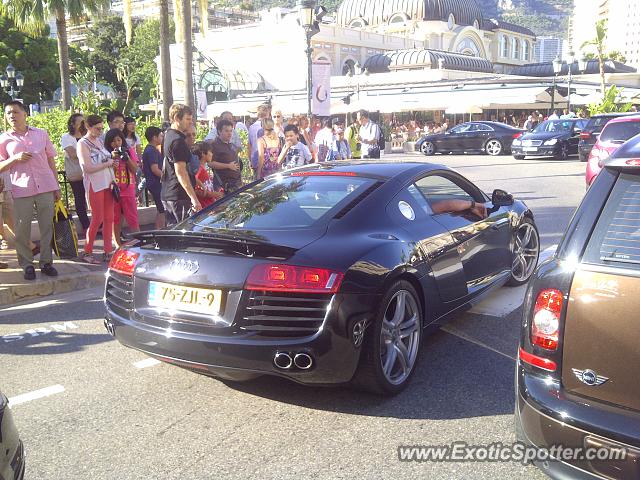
(152, 170)
(178, 194)
(225, 157)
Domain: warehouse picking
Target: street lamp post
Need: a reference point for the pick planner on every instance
(570, 61)
(12, 81)
(557, 68)
(310, 16)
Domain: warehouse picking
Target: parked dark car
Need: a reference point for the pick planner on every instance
(551, 138)
(12, 462)
(591, 132)
(325, 274)
(492, 138)
(577, 373)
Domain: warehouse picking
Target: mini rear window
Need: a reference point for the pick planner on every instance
(620, 131)
(616, 238)
(596, 124)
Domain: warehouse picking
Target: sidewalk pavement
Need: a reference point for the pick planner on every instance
(72, 274)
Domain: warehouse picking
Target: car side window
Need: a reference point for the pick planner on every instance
(437, 188)
(484, 128)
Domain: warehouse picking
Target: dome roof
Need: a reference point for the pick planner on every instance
(376, 12)
(411, 59)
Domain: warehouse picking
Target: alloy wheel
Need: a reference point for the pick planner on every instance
(526, 252)
(399, 337)
(493, 147)
(428, 148)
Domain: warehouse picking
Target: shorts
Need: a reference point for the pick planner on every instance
(129, 208)
(156, 194)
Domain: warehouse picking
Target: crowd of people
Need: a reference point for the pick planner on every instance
(105, 165)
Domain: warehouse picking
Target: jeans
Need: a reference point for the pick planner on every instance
(177, 211)
(80, 197)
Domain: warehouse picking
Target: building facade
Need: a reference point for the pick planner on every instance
(548, 48)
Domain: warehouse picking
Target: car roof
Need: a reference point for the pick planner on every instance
(613, 114)
(627, 118)
(374, 168)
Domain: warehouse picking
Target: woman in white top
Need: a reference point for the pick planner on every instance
(96, 163)
(69, 142)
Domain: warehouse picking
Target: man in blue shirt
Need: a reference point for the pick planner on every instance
(152, 170)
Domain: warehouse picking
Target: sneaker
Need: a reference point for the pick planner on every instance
(30, 273)
(48, 270)
(89, 258)
(3, 265)
(4, 245)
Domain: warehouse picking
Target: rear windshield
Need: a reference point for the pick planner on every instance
(616, 238)
(620, 131)
(284, 202)
(596, 124)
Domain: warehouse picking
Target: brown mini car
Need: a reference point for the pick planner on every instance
(578, 371)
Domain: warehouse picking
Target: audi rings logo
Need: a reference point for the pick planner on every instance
(182, 267)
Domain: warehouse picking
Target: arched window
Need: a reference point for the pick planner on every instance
(398, 18)
(358, 23)
(504, 46)
(526, 50)
(515, 48)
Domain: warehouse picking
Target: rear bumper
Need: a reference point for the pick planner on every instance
(241, 356)
(549, 416)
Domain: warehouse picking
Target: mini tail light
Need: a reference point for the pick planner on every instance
(124, 262)
(585, 135)
(537, 361)
(633, 162)
(546, 319)
(289, 278)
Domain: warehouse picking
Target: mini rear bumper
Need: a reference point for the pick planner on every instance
(334, 351)
(549, 416)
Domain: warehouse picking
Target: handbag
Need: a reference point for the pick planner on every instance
(65, 237)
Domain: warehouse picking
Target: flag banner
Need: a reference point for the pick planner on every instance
(321, 89)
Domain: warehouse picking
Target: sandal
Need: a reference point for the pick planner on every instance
(90, 259)
(4, 245)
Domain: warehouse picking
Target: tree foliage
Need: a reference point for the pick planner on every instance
(106, 42)
(34, 56)
(612, 102)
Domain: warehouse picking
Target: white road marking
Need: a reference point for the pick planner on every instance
(35, 395)
(477, 342)
(92, 294)
(149, 362)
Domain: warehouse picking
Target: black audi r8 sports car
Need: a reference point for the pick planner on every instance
(492, 138)
(326, 274)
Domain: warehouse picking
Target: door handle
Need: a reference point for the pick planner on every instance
(499, 223)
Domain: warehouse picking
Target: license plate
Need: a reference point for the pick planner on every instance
(186, 299)
(530, 149)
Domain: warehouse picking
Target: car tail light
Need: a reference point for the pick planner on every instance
(124, 262)
(585, 135)
(545, 325)
(289, 278)
(633, 162)
(537, 361)
(517, 135)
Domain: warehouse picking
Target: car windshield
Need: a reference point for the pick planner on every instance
(620, 131)
(554, 126)
(283, 202)
(596, 124)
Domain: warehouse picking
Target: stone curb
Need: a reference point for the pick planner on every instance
(44, 288)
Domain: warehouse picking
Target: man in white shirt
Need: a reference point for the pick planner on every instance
(264, 111)
(324, 140)
(369, 136)
(554, 115)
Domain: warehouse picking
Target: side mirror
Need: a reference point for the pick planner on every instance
(500, 198)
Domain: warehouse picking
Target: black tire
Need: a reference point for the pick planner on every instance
(370, 376)
(513, 280)
(519, 157)
(563, 152)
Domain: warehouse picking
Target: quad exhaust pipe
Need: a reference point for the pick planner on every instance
(284, 361)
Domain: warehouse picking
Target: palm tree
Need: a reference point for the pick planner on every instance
(599, 43)
(165, 60)
(31, 16)
(203, 6)
(178, 19)
(127, 19)
(188, 55)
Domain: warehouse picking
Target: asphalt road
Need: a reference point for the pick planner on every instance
(103, 415)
